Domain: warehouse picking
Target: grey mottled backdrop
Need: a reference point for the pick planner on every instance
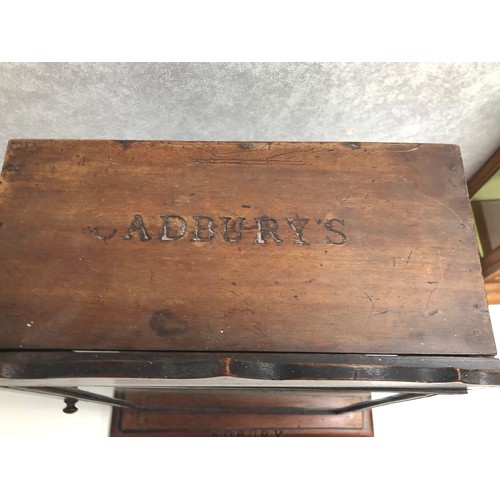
(394, 102)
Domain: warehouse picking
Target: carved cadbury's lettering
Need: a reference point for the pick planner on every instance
(98, 234)
(341, 237)
(137, 225)
(267, 225)
(248, 432)
(208, 229)
(166, 235)
(298, 229)
(175, 227)
(236, 227)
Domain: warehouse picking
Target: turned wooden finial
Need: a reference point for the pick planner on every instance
(70, 405)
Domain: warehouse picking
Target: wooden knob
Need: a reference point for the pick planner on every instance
(70, 405)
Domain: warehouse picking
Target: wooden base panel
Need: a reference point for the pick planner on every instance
(232, 413)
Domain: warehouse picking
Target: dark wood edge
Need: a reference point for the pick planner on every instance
(262, 366)
(478, 180)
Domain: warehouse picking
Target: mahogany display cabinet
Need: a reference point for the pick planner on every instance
(240, 288)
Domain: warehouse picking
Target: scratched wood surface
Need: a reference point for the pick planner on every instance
(282, 247)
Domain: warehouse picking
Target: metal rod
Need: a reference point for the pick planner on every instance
(78, 394)
(374, 403)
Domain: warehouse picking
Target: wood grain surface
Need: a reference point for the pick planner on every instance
(131, 422)
(278, 247)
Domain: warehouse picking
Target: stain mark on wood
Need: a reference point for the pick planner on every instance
(165, 322)
(125, 144)
(15, 168)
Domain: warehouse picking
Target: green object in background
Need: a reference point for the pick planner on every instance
(485, 206)
(490, 191)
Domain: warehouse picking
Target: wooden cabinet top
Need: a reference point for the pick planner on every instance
(229, 246)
